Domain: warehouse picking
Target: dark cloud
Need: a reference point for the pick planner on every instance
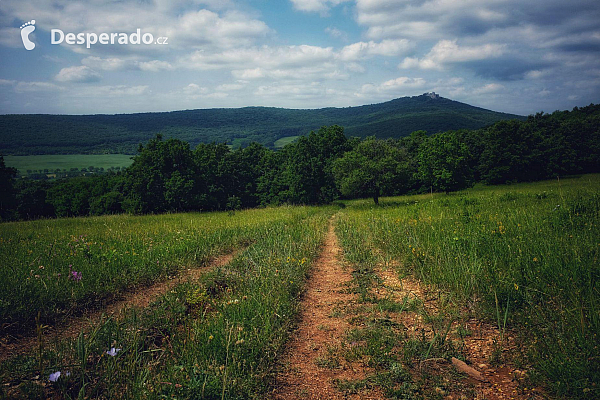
(506, 69)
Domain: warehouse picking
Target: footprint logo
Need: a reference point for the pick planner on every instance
(26, 30)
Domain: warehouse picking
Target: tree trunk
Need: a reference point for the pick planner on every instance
(376, 199)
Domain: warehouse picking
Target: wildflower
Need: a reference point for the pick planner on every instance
(535, 259)
(211, 337)
(54, 376)
(113, 352)
(516, 287)
(240, 341)
(76, 276)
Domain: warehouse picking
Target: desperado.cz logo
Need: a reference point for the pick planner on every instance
(26, 30)
(89, 39)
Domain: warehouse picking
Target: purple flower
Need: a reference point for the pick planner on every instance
(76, 276)
(113, 352)
(54, 376)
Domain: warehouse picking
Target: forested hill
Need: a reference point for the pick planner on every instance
(121, 133)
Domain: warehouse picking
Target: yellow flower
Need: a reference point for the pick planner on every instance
(535, 259)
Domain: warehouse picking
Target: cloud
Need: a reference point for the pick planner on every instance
(154, 65)
(489, 88)
(294, 62)
(105, 64)
(226, 87)
(361, 50)
(448, 51)
(319, 6)
(80, 74)
(22, 87)
(113, 91)
(119, 64)
(186, 24)
(11, 37)
(393, 87)
(194, 90)
(336, 33)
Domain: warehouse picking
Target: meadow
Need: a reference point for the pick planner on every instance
(55, 267)
(67, 161)
(524, 257)
(220, 334)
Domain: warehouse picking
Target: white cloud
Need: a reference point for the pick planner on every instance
(230, 86)
(489, 88)
(11, 37)
(117, 64)
(22, 87)
(105, 64)
(535, 74)
(206, 27)
(336, 33)
(360, 50)
(294, 62)
(154, 65)
(448, 51)
(320, 6)
(194, 89)
(78, 74)
(393, 86)
(312, 90)
(113, 91)
(185, 23)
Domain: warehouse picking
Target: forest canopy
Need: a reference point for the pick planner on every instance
(167, 175)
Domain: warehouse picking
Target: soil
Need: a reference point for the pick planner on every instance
(134, 298)
(503, 380)
(320, 331)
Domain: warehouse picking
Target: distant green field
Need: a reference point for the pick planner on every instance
(285, 140)
(67, 161)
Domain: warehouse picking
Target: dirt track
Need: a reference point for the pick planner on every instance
(302, 376)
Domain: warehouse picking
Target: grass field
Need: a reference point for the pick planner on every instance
(524, 256)
(222, 333)
(67, 161)
(279, 143)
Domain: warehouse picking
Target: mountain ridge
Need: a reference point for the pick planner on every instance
(121, 133)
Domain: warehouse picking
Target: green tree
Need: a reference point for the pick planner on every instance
(161, 178)
(7, 191)
(371, 169)
(444, 162)
(307, 171)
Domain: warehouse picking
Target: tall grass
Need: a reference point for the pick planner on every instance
(54, 266)
(212, 339)
(527, 253)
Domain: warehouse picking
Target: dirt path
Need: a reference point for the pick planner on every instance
(139, 299)
(305, 372)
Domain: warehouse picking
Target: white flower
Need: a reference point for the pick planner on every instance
(113, 352)
(54, 376)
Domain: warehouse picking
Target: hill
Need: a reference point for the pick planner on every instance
(121, 133)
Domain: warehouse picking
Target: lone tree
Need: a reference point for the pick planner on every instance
(374, 167)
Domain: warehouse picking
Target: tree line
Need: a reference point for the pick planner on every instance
(168, 176)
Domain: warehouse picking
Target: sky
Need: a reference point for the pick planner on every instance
(514, 56)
